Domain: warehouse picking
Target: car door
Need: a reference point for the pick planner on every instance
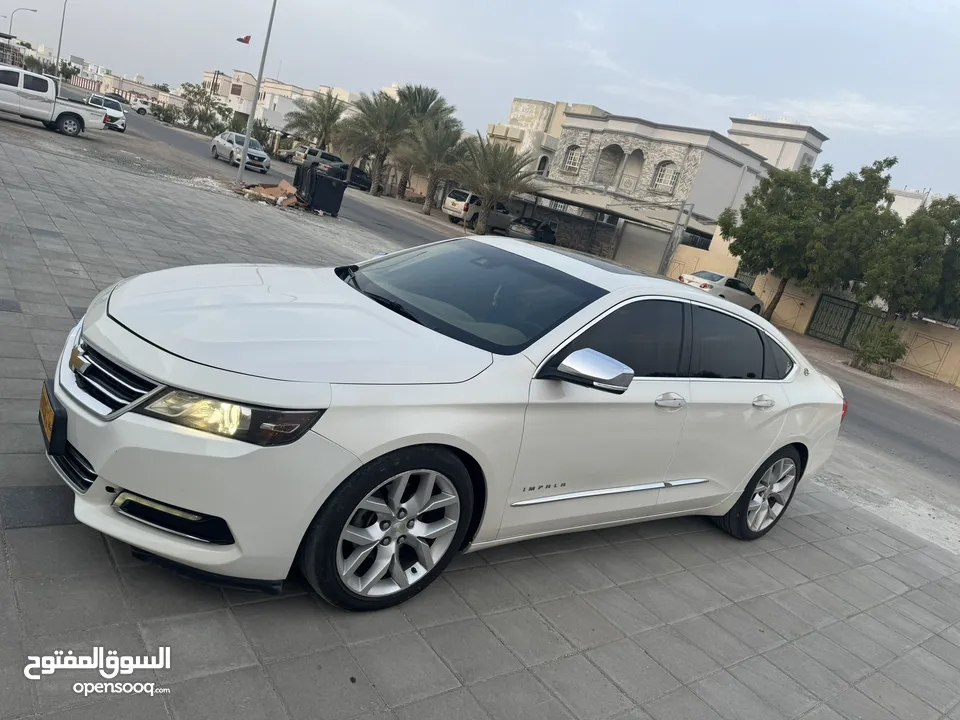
(731, 291)
(734, 415)
(10, 91)
(589, 456)
(36, 100)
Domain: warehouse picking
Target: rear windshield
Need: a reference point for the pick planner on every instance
(707, 275)
(460, 195)
(476, 293)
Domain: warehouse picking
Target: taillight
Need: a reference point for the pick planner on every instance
(106, 119)
(466, 206)
(706, 286)
(843, 413)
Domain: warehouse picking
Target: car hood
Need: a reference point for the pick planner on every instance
(287, 323)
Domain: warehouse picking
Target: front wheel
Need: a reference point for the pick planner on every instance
(214, 153)
(69, 125)
(233, 160)
(389, 530)
(765, 498)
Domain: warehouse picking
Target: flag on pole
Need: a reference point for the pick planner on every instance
(245, 40)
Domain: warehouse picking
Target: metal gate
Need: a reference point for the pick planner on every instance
(840, 321)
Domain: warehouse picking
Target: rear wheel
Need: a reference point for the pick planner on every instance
(453, 219)
(765, 498)
(141, 111)
(389, 530)
(69, 125)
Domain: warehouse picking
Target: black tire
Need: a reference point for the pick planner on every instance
(453, 219)
(232, 160)
(141, 111)
(263, 172)
(317, 557)
(69, 125)
(735, 521)
(755, 309)
(123, 129)
(213, 152)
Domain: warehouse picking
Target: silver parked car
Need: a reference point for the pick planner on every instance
(726, 287)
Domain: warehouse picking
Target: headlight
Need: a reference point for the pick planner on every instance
(260, 426)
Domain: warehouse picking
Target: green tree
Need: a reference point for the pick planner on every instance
(946, 212)
(261, 132)
(777, 223)
(67, 70)
(905, 268)
(854, 217)
(204, 110)
(378, 125)
(24, 43)
(316, 118)
(32, 64)
(494, 171)
(423, 104)
(435, 148)
(162, 87)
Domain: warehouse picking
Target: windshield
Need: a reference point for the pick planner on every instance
(254, 145)
(707, 275)
(478, 294)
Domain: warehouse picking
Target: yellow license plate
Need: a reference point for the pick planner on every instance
(46, 414)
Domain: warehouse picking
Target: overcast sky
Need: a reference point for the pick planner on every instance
(876, 76)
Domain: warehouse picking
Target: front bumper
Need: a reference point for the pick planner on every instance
(266, 495)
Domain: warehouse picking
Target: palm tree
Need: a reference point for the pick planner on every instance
(422, 103)
(435, 148)
(316, 118)
(378, 125)
(494, 171)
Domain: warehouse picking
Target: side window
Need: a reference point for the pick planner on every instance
(732, 283)
(724, 347)
(647, 335)
(96, 102)
(776, 363)
(36, 84)
(10, 78)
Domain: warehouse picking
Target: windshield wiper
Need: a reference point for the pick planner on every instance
(398, 308)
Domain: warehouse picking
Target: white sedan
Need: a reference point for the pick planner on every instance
(368, 422)
(726, 287)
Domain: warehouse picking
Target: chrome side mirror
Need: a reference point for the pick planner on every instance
(591, 368)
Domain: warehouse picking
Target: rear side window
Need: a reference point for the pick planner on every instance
(646, 335)
(36, 84)
(724, 347)
(776, 363)
(11, 78)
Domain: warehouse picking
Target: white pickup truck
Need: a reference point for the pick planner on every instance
(35, 97)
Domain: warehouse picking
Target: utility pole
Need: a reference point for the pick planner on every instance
(60, 41)
(256, 97)
(214, 84)
(10, 29)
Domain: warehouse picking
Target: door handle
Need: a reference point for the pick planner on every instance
(763, 402)
(670, 400)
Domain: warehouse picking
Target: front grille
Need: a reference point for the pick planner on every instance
(107, 382)
(77, 468)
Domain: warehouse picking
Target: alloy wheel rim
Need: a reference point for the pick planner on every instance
(771, 495)
(70, 126)
(398, 533)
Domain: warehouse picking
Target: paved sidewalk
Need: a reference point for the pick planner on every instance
(834, 614)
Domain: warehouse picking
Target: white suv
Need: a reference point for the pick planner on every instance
(141, 106)
(462, 206)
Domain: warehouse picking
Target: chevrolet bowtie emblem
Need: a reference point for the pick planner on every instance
(78, 363)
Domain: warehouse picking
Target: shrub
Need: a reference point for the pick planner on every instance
(878, 347)
(166, 113)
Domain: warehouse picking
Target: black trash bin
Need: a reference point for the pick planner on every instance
(320, 191)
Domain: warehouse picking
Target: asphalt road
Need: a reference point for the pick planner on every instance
(919, 435)
(392, 225)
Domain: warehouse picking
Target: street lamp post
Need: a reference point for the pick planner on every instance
(256, 97)
(10, 29)
(60, 41)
